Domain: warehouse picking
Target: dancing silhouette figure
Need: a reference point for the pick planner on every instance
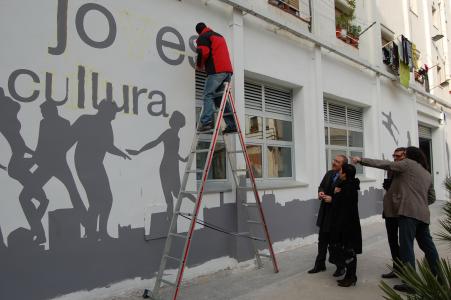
(390, 125)
(50, 156)
(94, 137)
(19, 167)
(169, 167)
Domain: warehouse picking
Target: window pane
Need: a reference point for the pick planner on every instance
(279, 161)
(278, 130)
(255, 156)
(338, 137)
(355, 139)
(326, 135)
(254, 127)
(359, 167)
(218, 164)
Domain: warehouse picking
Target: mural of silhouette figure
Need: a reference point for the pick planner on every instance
(94, 137)
(390, 125)
(50, 156)
(169, 167)
(19, 167)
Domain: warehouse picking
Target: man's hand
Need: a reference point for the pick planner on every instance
(337, 190)
(327, 199)
(200, 68)
(321, 195)
(356, 160)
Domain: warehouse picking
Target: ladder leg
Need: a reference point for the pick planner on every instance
(254, 187)
(201, 191)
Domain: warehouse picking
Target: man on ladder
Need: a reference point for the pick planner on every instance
(213, 56)
(214, 59)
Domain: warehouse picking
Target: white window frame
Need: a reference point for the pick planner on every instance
(264, 142)
(347, 149)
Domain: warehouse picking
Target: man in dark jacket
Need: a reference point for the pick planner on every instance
(325, 193)
(214, 59)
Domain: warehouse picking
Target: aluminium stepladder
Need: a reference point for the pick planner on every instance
(215, 133)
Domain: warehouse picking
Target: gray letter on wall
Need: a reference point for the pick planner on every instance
(180, 46)
(12, 85)
(79, 20)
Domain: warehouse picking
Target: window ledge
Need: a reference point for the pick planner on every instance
(276, 184)
(363, 178)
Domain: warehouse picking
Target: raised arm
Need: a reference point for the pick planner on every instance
(116, 151)
(395, 166)
(147, 146)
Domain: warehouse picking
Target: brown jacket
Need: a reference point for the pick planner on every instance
(411, 190)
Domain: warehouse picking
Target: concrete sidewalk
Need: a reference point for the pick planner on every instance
(293, 282)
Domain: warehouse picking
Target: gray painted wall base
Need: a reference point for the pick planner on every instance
(73, 263)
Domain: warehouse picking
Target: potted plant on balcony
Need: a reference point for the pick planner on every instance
(354, 32)
(341, 26)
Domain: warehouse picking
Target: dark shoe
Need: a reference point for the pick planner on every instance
(205, 127)
(347, 282)
(404, 288)
(317, 269)
(339, 272)
(389, 275)
(229, 130)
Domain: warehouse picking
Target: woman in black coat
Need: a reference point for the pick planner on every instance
(346, 232)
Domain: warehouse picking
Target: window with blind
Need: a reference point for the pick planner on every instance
(343, 131)
(269, 129)
(218, 169)
(290, 6)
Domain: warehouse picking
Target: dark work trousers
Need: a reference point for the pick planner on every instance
(409, 230)
(323, 243)
(391, 224)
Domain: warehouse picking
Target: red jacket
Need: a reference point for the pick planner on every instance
(212, 53)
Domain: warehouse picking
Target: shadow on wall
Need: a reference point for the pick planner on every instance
(74, 262)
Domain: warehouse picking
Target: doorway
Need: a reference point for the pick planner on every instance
(425, 143)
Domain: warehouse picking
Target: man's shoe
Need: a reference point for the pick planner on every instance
(339, 272)
(317, 269)
(229, 130)
(389, 275)
(404, 288)
(205, 127)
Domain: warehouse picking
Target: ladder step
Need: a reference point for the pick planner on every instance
(201, 151)
(239, 170)
(173, 258)
(195, 171)
(235, 151)
(264, 255)
(253, 222)
(182, 236)
(168, 282)
(249, 204)
(189, 192)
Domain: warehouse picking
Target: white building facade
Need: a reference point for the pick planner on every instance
(304, 91)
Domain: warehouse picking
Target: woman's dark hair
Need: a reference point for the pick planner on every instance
(349, 170)
(417, 155)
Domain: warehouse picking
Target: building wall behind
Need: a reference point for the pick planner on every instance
(146, 67)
